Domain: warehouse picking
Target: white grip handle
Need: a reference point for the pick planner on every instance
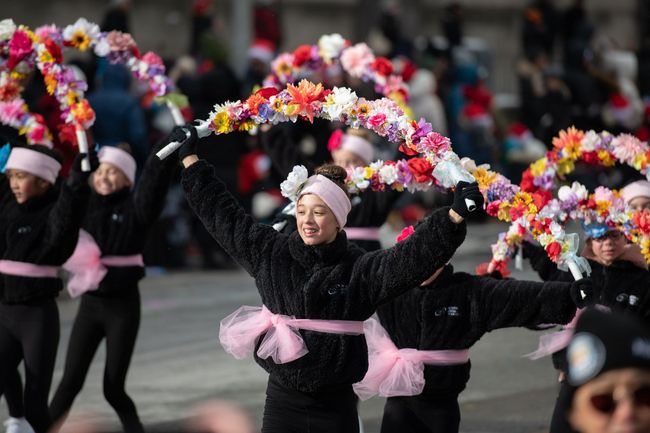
(575, 271)
(202, 130)
(471, 204)
(82, 142)
(176, 113)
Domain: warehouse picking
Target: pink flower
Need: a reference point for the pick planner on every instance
(357, 59)
(408, 231)
(335, 140)
(11, 111)
(152, 59)
(119, 41)
(434, 142)
(49, 32)
(377, 120)
(626, 146)
(20, 46)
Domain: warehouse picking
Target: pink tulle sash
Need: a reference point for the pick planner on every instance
(556, 341)
(24, 269)
(362, 233)
(239, 332)
(398, 372)
(88, 267)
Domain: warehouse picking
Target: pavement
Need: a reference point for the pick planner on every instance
(179, 363)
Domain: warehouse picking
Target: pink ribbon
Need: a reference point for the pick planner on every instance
(239, 332)
(556, 341)
(88, 267)
(362, 233)
(398, 372)
(31, 270)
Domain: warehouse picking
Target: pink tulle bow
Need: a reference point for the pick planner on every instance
(239, 332)
(398, 372)
(87, 266)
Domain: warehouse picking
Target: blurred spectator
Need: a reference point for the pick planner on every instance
(260, 54)
(520, 148)
(119, 116)
(117, 16)
(539, 28)
(201, 23)
(266, 24)
(391, 28)
(452, 24)
(609, 373)
(425, 102)
(532, 88)
(624, 110)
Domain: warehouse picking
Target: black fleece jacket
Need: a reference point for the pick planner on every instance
(457, 309)
(622, 286)
(120, 222)
(369, 209)
(336, 281)
(41, 231)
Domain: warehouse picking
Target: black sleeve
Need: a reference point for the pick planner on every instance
(543, 265)
(505, 303)
(67, 214)
(246, 240)
(283, 150)
(149, 194)
(384, 274)
(5, 190)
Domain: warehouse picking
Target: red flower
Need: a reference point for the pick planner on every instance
(407, 150)
(554, 249)
(408, 231)
(642, 221)
(541, 198)
(20, 46)
(421, 169)
(334, 141)
(517, 211)
(591, 158)
(54, 49)
(301, 55)
(267, 92)
(493, 208)
(383, 66)
(526, 183)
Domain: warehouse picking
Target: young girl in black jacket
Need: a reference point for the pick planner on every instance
(620, 281)
(39, 233)
(316, 289)
(352, 149)
(450, 312)
(118, 219)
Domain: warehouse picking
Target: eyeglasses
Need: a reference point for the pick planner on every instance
(606, 404)
(613, 235)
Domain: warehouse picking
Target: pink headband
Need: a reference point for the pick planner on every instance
(331, 194)
(359, 146)
(120, 159)
(640, 188)
(34, 162)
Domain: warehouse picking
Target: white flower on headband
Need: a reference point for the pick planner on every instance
(7, 29)
(358, 178)
(589, 141)
(340, 100)
(295, 182)
(388, 174)
(330, 46)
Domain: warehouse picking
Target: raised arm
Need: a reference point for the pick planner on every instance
(246, 240)
(66, 216)
(149, 195)
(284, 152)
(542, 264)
(502, 303)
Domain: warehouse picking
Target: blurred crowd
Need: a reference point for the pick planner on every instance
(569, 73)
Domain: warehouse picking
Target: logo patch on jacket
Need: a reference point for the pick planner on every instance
(24, 230)
(450, 311)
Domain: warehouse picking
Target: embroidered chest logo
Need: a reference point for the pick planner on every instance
(24, 230)
(450, 311)
(624, 298)
(337, 289)
(117, 217)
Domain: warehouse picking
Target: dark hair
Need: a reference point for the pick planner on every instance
(335, 173)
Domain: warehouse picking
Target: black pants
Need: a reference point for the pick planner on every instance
(13, 392)
(30, 333)
(415, 415)
(290, 411)
(117, 320)
(560, 420)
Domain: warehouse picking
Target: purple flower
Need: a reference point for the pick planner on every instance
(545, 181)
(501, 190)
(404, 175)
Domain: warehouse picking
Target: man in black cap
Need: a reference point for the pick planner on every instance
(609, 369)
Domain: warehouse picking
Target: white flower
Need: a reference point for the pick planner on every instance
(589, 141)
(295, 181)
(556, 229)
(7, 29)
(330, 46)
(82, 25)
(580, 191)
(565, 193)
(358, 178)
(102, 48)
(388, 174)
(340, 100)
(376, 165)
(468, 164)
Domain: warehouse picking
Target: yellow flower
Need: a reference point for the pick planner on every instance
(538, 167)
(640, 161)
(46, 57)
(364, 109)
(247, 125)
(284, 69)
(278, 105)
(50, 83)
(572, 150)
(645, 249)
(71, 98)
(221, 123)
(80, 40)
(603, 205)
(606, 158)
(484, 177)
(565, 166)
(504, 211)
(368, 172)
